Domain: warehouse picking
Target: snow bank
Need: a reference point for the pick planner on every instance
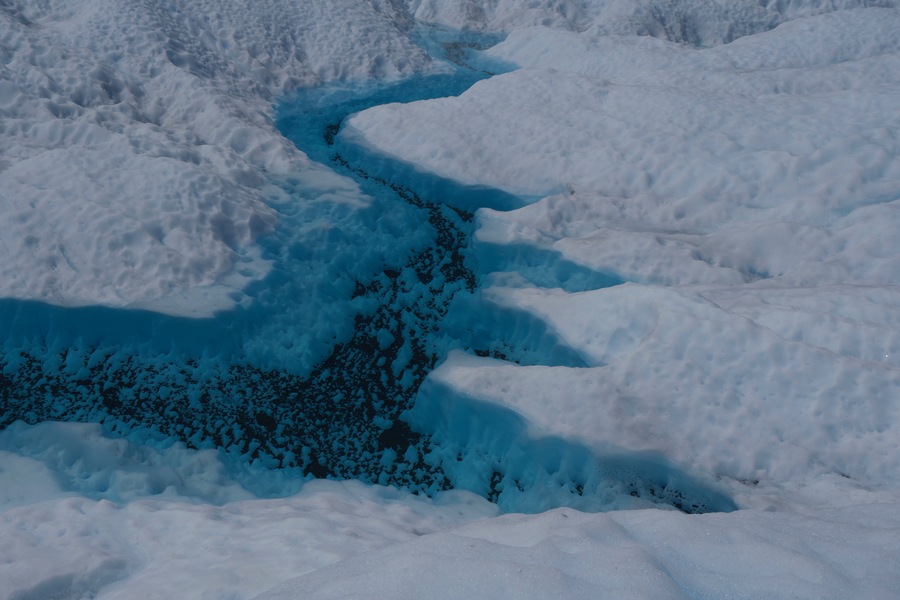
(137, 140)
(810, 411)
(171, 522)
(735, 120)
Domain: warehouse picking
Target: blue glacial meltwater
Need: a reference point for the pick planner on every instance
(374, 281)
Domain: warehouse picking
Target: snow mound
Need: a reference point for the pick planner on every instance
(137, 140)
(345, 539)
(755, 133)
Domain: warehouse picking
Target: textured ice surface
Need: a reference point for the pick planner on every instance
(372, 282)
(84, 515)
(694, 22)
(137, 140)
(629, 554)
(732, 161)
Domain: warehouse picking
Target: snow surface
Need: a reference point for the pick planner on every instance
(734, 162)
(137, 145)
(83, 515)
(630, 554)
(86, 515)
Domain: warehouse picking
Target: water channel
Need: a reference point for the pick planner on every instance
(313, 376)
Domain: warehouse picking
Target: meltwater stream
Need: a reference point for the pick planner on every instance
(313, 376)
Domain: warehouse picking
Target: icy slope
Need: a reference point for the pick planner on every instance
(137, 146)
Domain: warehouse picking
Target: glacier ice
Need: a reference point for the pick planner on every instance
(727, 166)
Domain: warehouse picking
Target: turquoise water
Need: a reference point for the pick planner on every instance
(313, 376)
